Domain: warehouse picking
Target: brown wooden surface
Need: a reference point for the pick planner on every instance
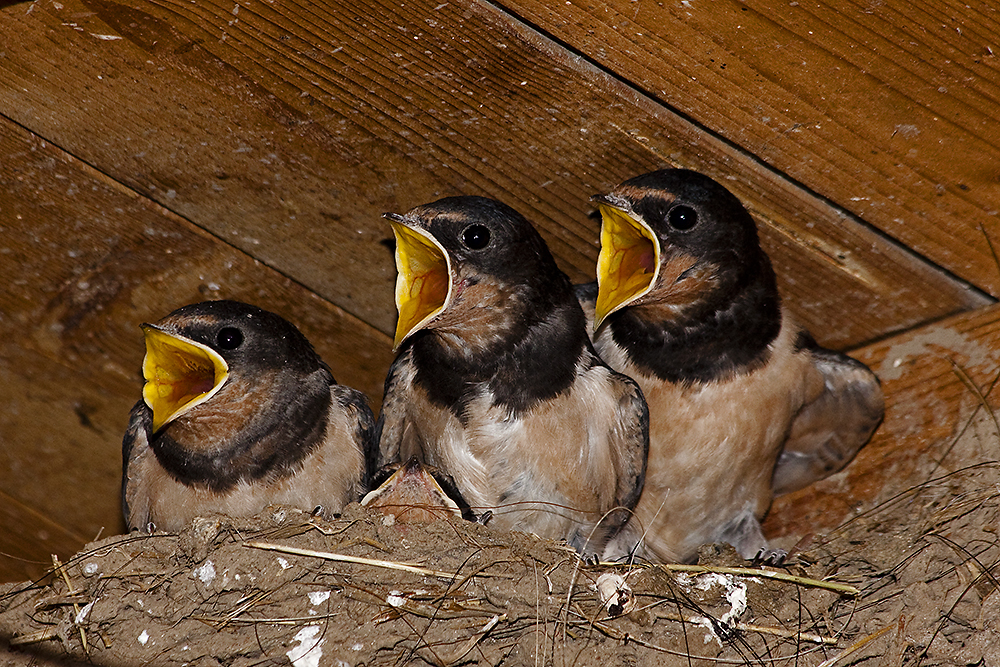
(886, 109)
(158, 153)
(287, 129)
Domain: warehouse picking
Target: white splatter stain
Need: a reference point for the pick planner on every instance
(319, 597)
(939, 341)
(309, 650)
(82, 616)
(206, 572)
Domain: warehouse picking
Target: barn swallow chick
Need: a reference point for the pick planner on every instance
(743, 403)
(416, 493)
(239, 412)
(496, 382)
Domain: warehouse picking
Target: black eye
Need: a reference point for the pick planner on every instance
(229, 338)
(476, 237)
(682, 217)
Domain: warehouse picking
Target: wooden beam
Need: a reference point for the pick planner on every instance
(886, 109)
(288, 128)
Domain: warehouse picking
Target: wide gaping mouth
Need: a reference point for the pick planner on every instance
(423, 281)
(629, 262)
(180, 374)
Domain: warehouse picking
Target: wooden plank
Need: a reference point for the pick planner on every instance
(927, 375)
(29, 538)
(84, 262)
(886, 109)
(287, 128)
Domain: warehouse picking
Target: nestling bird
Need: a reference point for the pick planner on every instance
(239, 412)
(743, 403)
(496, 382)
(416, 493)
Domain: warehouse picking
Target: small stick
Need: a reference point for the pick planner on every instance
(844, 589)
(761, 629)
(405, 567)
(474, 639)
(71, 591)
(856, 646)
(967, 381)
(33, 637)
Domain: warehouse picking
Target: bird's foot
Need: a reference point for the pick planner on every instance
(768, 556)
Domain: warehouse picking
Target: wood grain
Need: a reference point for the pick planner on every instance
(886, 109)
(288, 128)
(28, 539)
(928, 406)
(85, 261)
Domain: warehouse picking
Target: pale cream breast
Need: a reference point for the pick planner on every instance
(713, 446)
(549, 471)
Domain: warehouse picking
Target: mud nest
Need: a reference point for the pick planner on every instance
(368, 590)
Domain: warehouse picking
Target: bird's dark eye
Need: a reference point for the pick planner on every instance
(229, 338)
(682, 217)
(476, 237)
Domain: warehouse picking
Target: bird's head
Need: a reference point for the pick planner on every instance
(469, 264)
(193, 352)
(672, 237)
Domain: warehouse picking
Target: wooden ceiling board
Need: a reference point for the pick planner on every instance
(288, 128)
(29, 538)
(887, 109)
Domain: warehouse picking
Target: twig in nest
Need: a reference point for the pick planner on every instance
(314, 524)
(405, 567)
(761, 629)
(982, 402)
(241, 606)
(611, 632)
(463, 650)
(33, 637)
(59, 600)
(967, 381)
(856, 646)
(58, 567)
(905, 494)
(843, 589)
(985, 572)
(459, 583)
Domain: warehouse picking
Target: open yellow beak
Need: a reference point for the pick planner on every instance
(423, 282)
(180, 374)
(628, 264)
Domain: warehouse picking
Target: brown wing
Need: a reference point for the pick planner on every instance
(361, 425)
(392, 434)
(830, 429)
(135, 447)
(586, 295)
(630, 442)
